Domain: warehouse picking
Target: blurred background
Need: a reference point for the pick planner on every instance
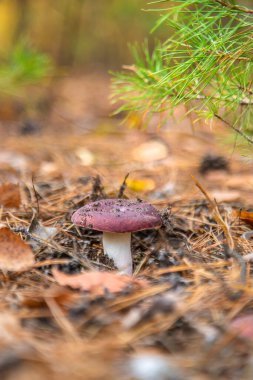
(43, 44)
(78, 34)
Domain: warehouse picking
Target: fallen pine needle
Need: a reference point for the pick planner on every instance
(51, 262)
(217, 216)
(182, 268)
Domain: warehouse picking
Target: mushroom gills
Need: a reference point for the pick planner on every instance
(118, 247)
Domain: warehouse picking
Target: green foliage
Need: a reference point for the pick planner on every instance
(206, 63)
(24, 66)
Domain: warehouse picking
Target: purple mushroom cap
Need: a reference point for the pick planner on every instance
(117, 215)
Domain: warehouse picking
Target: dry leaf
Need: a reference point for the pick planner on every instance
(62, 296)
(246, 216)
(96, 282)
(243, 326)
(15, 254)
(10, 195)
(40, 234)
(150, 151)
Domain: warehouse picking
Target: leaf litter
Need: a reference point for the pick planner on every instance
(95, 282)
(192, 280)
(15, 254)
(10, 195)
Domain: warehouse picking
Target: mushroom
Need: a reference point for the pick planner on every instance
(117, 219)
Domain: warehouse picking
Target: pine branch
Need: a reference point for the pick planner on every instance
(241, 133)
(205, 64)
(234, 7)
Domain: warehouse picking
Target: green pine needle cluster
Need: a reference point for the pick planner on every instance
(206, 63)
(23, 67)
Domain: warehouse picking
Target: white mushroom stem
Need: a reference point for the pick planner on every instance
(118, 247)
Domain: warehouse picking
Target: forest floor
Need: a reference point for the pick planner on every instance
(187, 312)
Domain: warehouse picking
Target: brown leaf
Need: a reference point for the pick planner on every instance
(15, 254)
(62, 296)
(243, 326)
(10, 195)
(246, 216)
(96, 282)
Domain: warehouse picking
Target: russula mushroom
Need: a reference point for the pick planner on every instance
(117, 219)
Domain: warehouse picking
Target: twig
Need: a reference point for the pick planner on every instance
(245, 102)
(234, 129)
(123, 187)
(97, 189)
(51, 262)
(234, 7)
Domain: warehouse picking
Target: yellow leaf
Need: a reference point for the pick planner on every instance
(145, 184)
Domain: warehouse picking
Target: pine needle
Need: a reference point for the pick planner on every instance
(216, 214)
(206, 64)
